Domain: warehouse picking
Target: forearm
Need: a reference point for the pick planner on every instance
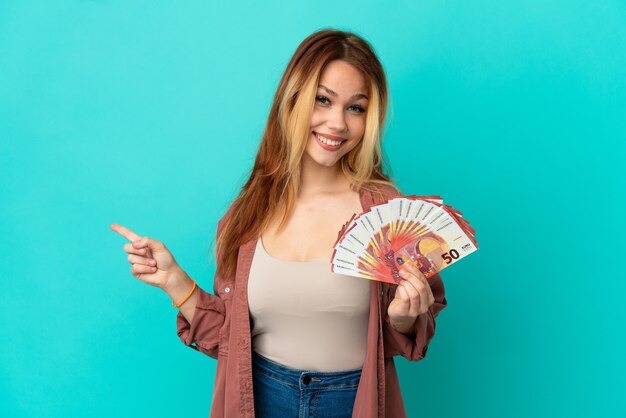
(179, 286)
(413, 345)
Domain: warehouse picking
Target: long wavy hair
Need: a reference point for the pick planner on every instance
(274, 180)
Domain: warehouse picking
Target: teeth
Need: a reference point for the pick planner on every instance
(328, 141)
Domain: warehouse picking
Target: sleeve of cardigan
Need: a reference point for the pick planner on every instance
(203, 332)
(414, 347)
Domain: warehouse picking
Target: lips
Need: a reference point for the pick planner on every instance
(327, 146)
(333, 137)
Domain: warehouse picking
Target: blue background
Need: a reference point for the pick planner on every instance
(148, 114)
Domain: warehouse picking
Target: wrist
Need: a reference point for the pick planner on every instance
(405, 327)
(178, 285)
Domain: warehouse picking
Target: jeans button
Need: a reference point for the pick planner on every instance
(306, 380)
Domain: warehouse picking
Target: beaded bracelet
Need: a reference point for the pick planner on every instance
(178, 305)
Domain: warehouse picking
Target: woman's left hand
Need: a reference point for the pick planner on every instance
(413, 297)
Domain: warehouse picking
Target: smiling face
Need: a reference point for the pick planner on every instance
(338, 118)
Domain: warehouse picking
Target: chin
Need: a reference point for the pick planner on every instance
(328, 163)
(323, 161)
(321, 158)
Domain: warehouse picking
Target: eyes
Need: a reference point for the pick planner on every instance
(323, 100)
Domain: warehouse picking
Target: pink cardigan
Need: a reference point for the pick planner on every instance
(221, 329)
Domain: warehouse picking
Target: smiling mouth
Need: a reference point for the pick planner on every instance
(328, 143)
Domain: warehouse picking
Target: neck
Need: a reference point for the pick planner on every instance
(318, 179)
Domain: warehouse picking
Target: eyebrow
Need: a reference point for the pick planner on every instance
(354, 96)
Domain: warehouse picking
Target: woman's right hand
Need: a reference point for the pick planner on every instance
(151, 262)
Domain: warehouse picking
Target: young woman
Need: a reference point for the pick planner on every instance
(291, 338)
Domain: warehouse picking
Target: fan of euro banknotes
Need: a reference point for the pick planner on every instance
(420, 230)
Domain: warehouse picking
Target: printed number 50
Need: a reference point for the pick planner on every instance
(454, 254)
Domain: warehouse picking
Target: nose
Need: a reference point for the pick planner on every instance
(336, 120)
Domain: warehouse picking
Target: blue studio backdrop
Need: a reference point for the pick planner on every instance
(149, 114)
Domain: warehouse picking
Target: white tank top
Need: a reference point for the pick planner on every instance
(306, 317)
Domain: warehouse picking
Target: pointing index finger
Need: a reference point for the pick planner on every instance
(125, 232)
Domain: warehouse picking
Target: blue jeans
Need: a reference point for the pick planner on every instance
(284, 392)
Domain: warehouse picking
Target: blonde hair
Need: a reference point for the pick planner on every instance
(272, 187)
